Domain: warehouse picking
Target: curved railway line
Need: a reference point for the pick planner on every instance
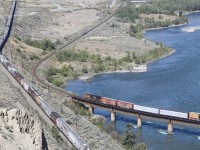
(75, 139)
(34, 70)
(137, 113)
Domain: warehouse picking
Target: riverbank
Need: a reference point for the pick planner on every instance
(171, 83)
(171, 26)
(136, 69)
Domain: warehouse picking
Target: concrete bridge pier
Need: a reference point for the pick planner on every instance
(113, 116)
(139, 122)
(91, 109)
(170, 128)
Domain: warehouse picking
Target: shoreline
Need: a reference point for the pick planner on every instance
(137, 69)
(88, 76)
(171, 26)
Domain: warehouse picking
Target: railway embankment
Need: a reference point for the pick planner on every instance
(14, 96)
(90, 133)
(111, 39)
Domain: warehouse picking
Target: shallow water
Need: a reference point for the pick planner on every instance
(172, 83)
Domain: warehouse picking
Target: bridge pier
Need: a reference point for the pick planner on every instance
(91, 109)
(139, 122)
(170, 128)
(113, 116)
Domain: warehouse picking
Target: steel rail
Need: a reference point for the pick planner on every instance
(34, 70)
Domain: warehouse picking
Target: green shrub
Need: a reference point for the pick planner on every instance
(32, 57)
(18, 38)
(58, 81)
(44, 44)
(55, 133)
(140, 146)
(71, 55)
(18, 49)
(128, 13)
(52, 71)
(128, 139)
(84, 69)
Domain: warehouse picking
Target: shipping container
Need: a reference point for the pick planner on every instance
(173, 113)
(12, 69)
(47, 109)
(4, 59)
(194, 116)
(74, 140)
(18, 76)
(14, 74)
(30, 91)
(146, 109)
(62, 126)
(125, 104)
(6, 64)
(38, 99)
(108, 101)
(54, 116)
(65, 130)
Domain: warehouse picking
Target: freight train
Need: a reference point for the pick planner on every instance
(48, 110)
(8, 26)
(128, 105)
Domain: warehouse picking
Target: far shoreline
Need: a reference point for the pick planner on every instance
(139, 68)
(88, 76)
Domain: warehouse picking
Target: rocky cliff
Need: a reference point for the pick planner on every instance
(18, 130)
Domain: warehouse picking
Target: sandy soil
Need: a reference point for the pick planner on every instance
(30, 22)
(70, 23)
(14, 140)
(12, 135)
(111, 39)
(56, 19)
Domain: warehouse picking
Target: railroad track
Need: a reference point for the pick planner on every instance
(34, 70)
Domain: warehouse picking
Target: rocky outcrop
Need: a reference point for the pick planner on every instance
(18, 125)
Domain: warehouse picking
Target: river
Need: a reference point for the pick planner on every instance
(171, 83)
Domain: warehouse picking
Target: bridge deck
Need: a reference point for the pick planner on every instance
(136, 113)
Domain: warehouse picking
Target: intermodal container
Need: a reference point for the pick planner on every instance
(146, 109)
(54, 116)
(194, 116)
(174, 113)
(125, 104)
(108, 101)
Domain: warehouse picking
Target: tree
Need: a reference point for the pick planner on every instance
(85, 69)
(128, 140)
(180, 13)
(140, 146)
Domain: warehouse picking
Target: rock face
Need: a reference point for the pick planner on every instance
(18, 130)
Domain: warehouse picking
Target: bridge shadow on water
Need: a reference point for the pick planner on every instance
(155, 125)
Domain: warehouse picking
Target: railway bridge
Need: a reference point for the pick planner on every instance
(170, 120)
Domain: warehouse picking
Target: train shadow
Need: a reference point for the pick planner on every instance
(44, 142)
